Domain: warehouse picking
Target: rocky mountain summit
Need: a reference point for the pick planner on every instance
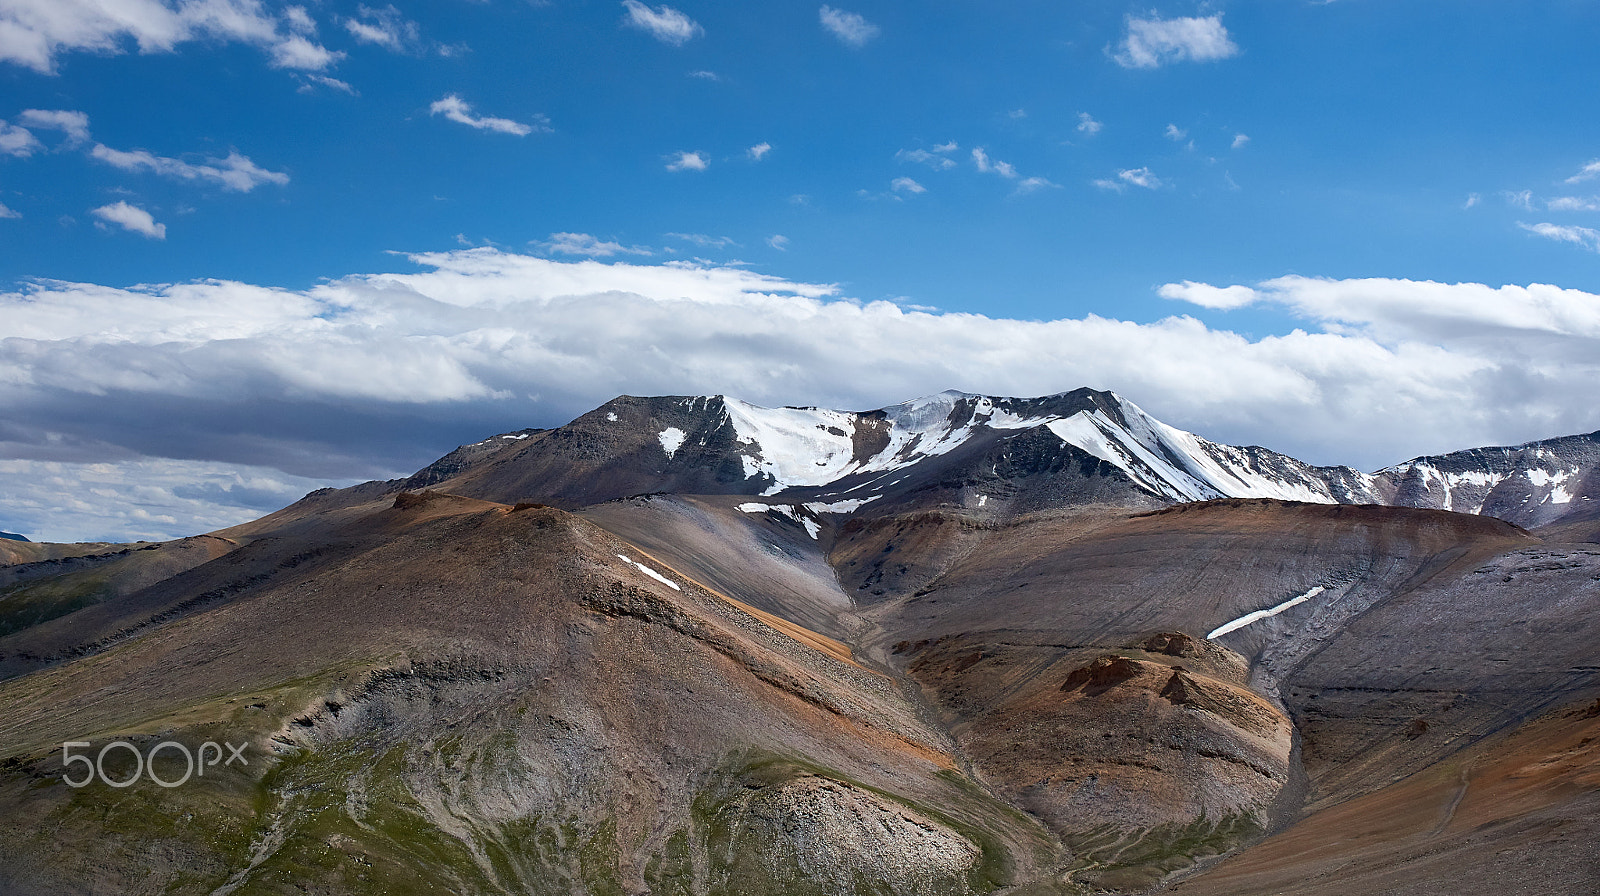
(958, 645)
(1084, 446)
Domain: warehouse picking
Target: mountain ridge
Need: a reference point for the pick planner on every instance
(966, 449)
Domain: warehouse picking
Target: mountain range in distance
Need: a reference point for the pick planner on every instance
(958, 645)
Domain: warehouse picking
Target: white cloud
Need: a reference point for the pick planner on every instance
(663, 23)
(705, 75)
(236, 172)
(1574, 204)
(1520, 198)
(1208, 296)
(988, 165)
(1587, 237)
(778, 241)
(759, 151)
(687, 161)
(1031, 184)
(308, 82)
(75, 125)
(1587, 172)
(705, 241)
(1394, 311)
(303, 54)
(8, 213)
(375, 375)
(456, 109)
(593, 247)
(848, 27)
(15, 141)
(1087, 124)
(1017, 114)
(1175, 133)
(148, 499)
(385, 27)
(34, 33)
(131, 217)
(936, 159)
(298, 20)
(1239, 140)
(1139, 177)
(906, 185)
(1155, 41)
(1472, 200)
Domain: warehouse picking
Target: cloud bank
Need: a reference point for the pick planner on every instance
(374, 375)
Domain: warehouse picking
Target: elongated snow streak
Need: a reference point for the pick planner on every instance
(1259, 615)
(651, 573)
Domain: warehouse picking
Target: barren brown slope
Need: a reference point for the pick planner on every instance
(459, 696)
(1517, 814)
(1404, 617)
(764, 560)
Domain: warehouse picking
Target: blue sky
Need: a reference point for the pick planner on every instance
(1411, 187)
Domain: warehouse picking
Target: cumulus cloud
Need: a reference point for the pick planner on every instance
(906, 185)
(8, 213)
(1208, 296)
(992, 166)
(1087, 124)
(384, 27)
(1138, 177)
(663, 23)
(1587, 172)
(849, 27)
(458, 110)
(759, 151)
(1587, 237)
(687, 161)
(35, 33)
(1239, 140)
(17, 141)
(304, 54)
(593, 247)
(1155, 41)
(132, 218)
(236, 172)
(937, 158)
(1175, 133)
(374, 375)
(75, 125)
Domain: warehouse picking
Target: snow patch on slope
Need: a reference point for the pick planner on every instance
(1259, 615)
(651, 573)
(671, 439)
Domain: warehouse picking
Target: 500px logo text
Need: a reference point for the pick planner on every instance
(195, 763)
